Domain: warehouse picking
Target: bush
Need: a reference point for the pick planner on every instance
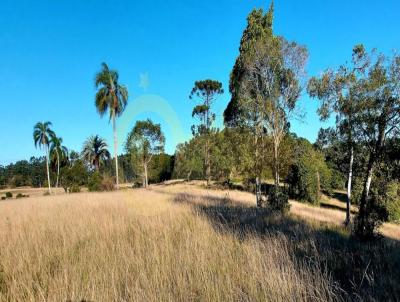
(20, 195)
(74, 189)
(99, 183)
(373, 217)
(107, 184)
(95, 182)
(309, 174)
(278, 199)
(392, 201)
(9, 195)
(3, 198)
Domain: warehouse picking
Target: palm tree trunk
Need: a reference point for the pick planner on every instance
(58, 168)
(47, 167)
(115, 149)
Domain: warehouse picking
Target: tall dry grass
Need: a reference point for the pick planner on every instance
(143, 246)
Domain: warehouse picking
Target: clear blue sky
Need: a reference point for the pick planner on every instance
(51, 49)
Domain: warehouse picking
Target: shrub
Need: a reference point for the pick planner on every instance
(3, 198)
(309, 174)
(392, 201)
(19, 195)
(373, 217)
(95, 182)
(74, 189)
(278, 199)
(107, 184)
(46, 193)
(9, 195)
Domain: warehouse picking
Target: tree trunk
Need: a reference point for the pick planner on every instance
(276, 164)
(115, 149)
(318, 186)
(208, 164)
(58, 168)
(47, 167)
(146, 182)
(349, 183)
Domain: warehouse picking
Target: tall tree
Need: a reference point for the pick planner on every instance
(144, 141)
(95, 151)
(265, 84)
(207, 91)
(378, 119)
(58, 152)
(42, 135)
(337, 90)
(113, 97)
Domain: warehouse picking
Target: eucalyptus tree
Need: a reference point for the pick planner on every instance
(378, 119)
(266, 83)
(58, 152)
(144, 141)
(337, 92)
(95, 151)
(206, 91)
(112, 97)
(42, 135)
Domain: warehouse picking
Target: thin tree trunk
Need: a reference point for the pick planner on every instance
(349, 184)
(318, 186)
(47, 167)
(276, 164)
(58, 168)
(115, 149)
(208, 165)
(146, 182)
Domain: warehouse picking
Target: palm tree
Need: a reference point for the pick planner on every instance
(42, 135)
(95, 151)
(57, 152)
(113, 97)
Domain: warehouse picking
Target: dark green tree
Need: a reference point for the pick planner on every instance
(265, 84)
(206, 91)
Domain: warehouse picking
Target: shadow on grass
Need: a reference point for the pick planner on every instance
(365, 271)
(335, 207)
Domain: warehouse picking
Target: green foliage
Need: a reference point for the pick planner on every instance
(144, 142)
(111, 95)
(95, 151)
(9, 195)
(161, 168)
(366, 226)
(75, 189)
(74, 176)
(278, 200)
(95, 182)
(392, 201)
(309, 174)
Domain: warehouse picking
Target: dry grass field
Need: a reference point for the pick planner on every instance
(180, 242)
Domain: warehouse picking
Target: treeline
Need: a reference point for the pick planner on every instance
(76, 171)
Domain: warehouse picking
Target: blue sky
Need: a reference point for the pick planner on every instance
(50, 51)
